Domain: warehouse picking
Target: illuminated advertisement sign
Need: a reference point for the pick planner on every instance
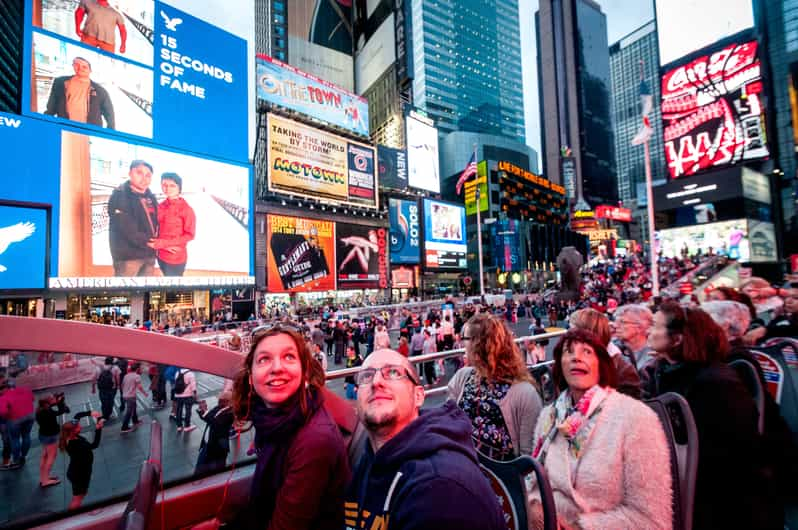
(444, 235)
(471, 186)
(506, 239)
(726, 238)
(712, 111)
(422, 153)
(730, 183)
(311, 163)
(128, 215)
(392, 165)
(684, 26)
(301, 254)
(512, 169)
(139, 68)
(378, 54)
(320, 39)
(362, 257)
(614, 213)
(291, 88)
(23, 247)
(405, 231)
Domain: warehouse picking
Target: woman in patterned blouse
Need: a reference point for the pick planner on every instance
(495, 390)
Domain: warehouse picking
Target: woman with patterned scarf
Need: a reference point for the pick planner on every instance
(605, 453)
(302, 468)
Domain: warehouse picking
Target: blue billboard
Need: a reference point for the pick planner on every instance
(144, 69)
(405, 236)
(444, 235)
(23, 247)
(127, 214)
(290, 88)
(506, 240)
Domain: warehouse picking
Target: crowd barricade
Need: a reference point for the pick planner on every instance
(58, 370)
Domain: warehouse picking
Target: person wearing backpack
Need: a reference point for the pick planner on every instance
(185, 389)
(105, 383)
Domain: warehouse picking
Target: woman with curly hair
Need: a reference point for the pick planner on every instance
(302, 468)
(495, 390)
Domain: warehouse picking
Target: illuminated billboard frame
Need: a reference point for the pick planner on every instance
(310, 163)
(422, 153)
(712, 110)
(25, 232)
(745, 240)
(445, 244)
(300, 254)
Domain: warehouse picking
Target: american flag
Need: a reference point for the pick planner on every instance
(470, 169)
(646, 102)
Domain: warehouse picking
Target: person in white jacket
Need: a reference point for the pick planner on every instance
(605, 453)
(185, 398)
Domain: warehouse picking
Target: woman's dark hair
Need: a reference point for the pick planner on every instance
(493, 352)
(312, 373)
(174, 177)
(607, 374)
(695, 337)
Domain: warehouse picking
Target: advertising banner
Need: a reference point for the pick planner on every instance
(707, 127)
(762, 237)
(422, 153)
(444, 235)
(139, 68)
(506, 239)
(311, 163)
(362, 257)
(320, 39)
(614, 213)
(378, 54)
(392, 167)
(727, 238)
(291, 88)
(301, 254)
(23, 247)
(405, 231)
(471, 186)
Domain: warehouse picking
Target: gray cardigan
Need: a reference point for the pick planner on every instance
(520, 409)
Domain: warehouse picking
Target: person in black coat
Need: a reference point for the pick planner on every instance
(99, 107)
(81, 456)
(215, 443)
(734, 488)
(47, 419)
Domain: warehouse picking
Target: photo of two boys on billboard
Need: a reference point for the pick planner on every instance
(142, 231)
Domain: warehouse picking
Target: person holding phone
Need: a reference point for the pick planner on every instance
(215, 444)
(80, 451)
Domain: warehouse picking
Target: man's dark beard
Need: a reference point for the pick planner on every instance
(373, 424)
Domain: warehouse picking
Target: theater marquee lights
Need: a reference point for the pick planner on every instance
(712, 111)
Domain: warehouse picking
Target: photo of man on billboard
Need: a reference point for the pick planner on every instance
(78, 98)
(133, 223)
(122, 27)
(101, 22)
(85, 85)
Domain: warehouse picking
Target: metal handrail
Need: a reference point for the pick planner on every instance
(344, 372)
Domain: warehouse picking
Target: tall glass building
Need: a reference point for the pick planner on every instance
(574, 81)
(637, 49)
(467, 65)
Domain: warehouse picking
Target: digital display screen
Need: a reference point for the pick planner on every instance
(405, 233)
(713, 111)
(445, 244)
(362, 256)
(23, 247)
(422, 155)
(301, 254)
(745, 240)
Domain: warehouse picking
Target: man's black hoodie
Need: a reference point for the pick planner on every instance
(425, 477)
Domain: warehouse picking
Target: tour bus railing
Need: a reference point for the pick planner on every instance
(344, 372)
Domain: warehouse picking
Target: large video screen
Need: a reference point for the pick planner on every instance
(23, 247)
(362, 256)
(131, 211)
(301, 254)
(422, 155)
(713, 111)
(684, 26)
(405, 231)
(291, 88)
(727, 238)
(311, 163)
(140, 68)
(445, 244)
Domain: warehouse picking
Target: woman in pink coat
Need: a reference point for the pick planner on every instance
(605, 453)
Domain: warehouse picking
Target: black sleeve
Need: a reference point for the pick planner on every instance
(98, 434)
(56, 92)
(128, 230)
(81, 415)
(107, 109)
(60, 408)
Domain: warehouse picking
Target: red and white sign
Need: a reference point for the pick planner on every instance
(686, 288)
(615, 213)
(712, 112)
(774, 375)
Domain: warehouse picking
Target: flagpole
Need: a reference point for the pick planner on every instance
(651, 250)
(479, 230)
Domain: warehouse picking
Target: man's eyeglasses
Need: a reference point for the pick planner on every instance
(389, 372)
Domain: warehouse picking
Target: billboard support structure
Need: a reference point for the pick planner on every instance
(650, 208)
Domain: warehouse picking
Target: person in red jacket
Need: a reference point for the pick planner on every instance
(177, 225)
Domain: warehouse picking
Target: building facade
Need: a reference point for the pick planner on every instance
(467, 66)
(11, 55)
(575, 84)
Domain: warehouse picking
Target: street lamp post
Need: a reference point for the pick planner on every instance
(479, 243)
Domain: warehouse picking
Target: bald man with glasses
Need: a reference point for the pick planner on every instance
(419, 468)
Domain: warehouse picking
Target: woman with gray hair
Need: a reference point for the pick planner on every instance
(733, 317)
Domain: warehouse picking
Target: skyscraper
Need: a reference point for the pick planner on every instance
(467, 66)
(574, 81)
(11, 55)
(627, 56)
